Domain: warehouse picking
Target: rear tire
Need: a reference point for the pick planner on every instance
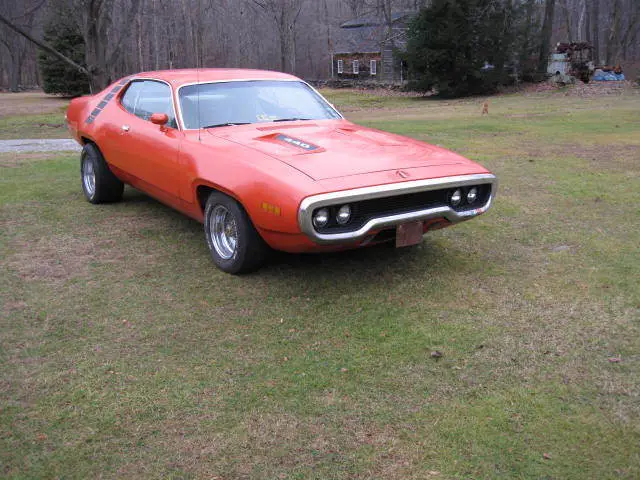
(99, 184)
(234, 243)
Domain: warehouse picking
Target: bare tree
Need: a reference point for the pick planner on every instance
(595, 21)
(624, 23)
(545, 37)
(285, 13)
(41, 44)
(127, 36)
(104, 32)
(21, 15)
(567, 19)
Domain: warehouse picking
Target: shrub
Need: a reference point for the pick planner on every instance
(461, 47)
(59, 77)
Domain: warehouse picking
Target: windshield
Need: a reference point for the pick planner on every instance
(237, 103)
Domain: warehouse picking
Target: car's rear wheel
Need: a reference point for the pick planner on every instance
(99, 184)
(234, 243)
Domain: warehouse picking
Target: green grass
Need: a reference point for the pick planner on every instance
(125, 353)
(46, 125)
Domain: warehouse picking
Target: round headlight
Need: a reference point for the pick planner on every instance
(456, 198)
(472, 195)
(344, 215)
(321, 218)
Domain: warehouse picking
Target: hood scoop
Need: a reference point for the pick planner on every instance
(297, 144)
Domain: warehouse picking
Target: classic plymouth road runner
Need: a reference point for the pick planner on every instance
(263, 160)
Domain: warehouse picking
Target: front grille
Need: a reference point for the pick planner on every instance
(364, 210)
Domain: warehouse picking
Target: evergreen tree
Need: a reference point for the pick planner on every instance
(58, 77)
(461, 47)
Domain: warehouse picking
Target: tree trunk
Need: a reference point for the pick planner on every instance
(156, 46)
(567, 19)
(139, 32)
(613, 41)
(102, 44)
(545, 37)
(581, 20)
(94, 56)
(595, 21)
(292, 29)
(282, 29)
(587, 22)
(628, 37)
(14, 74)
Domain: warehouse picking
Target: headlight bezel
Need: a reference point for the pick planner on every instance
(455, 197)
(318, 215)
(471, 199)
(341, 220)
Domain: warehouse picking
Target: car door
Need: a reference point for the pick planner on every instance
(146, 151)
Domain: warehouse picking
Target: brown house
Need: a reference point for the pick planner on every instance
(366, 49)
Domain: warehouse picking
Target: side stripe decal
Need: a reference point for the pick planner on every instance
(105, 101)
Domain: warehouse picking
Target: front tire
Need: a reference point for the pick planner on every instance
(99, 184)
(234, 243)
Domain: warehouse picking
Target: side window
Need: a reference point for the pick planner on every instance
(130, 98)
(144, 98)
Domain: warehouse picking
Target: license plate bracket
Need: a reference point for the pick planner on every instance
(408, 234)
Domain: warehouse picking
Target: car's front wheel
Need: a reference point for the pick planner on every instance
(99, 184)
(234, 243)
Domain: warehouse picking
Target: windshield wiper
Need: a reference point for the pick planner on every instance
(227, 124)
(292, 119)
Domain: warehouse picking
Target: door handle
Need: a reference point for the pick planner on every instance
(125, 128)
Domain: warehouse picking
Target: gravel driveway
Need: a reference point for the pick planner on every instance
(35, 145)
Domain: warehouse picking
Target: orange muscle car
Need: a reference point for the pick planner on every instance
(263, 160)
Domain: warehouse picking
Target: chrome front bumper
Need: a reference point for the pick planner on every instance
(310, 204)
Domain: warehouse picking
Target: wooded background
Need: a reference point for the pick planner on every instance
(126, 36)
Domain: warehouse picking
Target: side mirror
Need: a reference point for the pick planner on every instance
(159, 119)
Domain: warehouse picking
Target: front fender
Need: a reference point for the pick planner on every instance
(269, 190)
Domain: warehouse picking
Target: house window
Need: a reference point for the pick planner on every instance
(340, 66)
(373, 67)
(356, 67)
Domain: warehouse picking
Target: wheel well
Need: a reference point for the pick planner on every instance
(203, 192)
(85, 141)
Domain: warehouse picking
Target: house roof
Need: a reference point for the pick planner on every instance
(365, 34)
(358, 40)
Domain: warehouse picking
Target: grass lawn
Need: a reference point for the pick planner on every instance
(125, 353)
(32, 115)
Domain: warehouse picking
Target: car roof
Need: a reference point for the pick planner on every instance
(191, 75)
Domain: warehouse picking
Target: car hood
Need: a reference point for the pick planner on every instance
(332, 149)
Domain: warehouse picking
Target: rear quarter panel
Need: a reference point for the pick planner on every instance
(75, 114)
(83, 114)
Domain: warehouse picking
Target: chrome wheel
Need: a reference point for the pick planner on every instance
(224, 232)
(88, 176)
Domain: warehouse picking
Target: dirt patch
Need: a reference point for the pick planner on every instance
(55, 258)
(525, 115)
(58, 258)
(29, 103)
(610, 158)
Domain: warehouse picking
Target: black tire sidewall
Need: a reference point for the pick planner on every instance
(108, 187)
(246, 256)
(87, 156)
